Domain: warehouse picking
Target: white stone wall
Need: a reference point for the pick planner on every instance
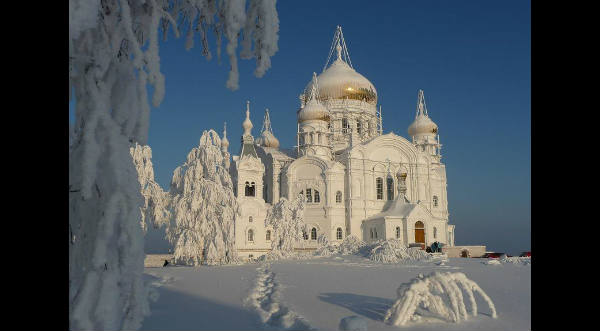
(354, 174)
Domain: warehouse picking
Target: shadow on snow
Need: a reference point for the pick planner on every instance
(179, 311)
(370, 307)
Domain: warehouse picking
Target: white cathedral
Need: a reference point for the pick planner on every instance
(356, 180)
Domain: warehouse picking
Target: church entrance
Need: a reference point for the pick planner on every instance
(419, 232)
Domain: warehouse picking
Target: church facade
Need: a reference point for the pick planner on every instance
(356, 180)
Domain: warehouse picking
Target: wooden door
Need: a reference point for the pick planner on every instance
(419, 232)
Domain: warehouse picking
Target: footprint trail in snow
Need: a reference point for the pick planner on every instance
(265, 298)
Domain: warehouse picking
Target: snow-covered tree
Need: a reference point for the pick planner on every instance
(204, 206)
(286, 217)
(156, 209)
(113, 57)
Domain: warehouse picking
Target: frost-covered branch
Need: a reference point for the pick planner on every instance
(156, 209)
(438, 296)
(286, 217)
(113, 59)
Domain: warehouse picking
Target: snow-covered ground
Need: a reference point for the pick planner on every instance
(318, 293)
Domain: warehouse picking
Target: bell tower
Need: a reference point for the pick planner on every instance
(424, 131)
(249, 168)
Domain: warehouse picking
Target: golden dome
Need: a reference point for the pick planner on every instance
(340, 81)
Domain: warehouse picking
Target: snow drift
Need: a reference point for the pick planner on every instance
(438, 296)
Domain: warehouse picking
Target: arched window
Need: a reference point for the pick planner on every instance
(308, 195)
(268, 236)
(358, 127)
(338, 197)
(371, 230)
(435, 201)
(375, 232)
(379, 185)
(304, 235)
(397, 232)
(390, 188)
(249, 191)
(434, 233)
(345, 125)
(317, 197)
(250, 219)
(338, 234)
(250, 235)
(313, 234)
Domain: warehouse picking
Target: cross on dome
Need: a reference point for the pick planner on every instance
(421, 106)
(267, 122)
(340, 46)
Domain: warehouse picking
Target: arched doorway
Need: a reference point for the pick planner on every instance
(419, 232)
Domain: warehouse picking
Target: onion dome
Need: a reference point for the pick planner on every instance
(267, 138)
(247, 124)
(341, 81)
(422, 124)
(224, 141)
(313, 109)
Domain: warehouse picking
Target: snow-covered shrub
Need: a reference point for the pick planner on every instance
(276, 255)
(156, 210)
(113, 57)
(350, 245)
(204, 207)
(394, 251)
(436, 296)
(286, 217)
(326, 250)
(324, 247)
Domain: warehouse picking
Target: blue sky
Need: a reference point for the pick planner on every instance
(472, 59)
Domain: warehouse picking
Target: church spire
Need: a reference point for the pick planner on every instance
(314, 90)
(247, 124)
(247, 139)
(224, 141)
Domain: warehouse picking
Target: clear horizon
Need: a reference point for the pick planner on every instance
(472, 60)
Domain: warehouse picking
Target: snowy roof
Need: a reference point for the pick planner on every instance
(248, 149)
(400, 207)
